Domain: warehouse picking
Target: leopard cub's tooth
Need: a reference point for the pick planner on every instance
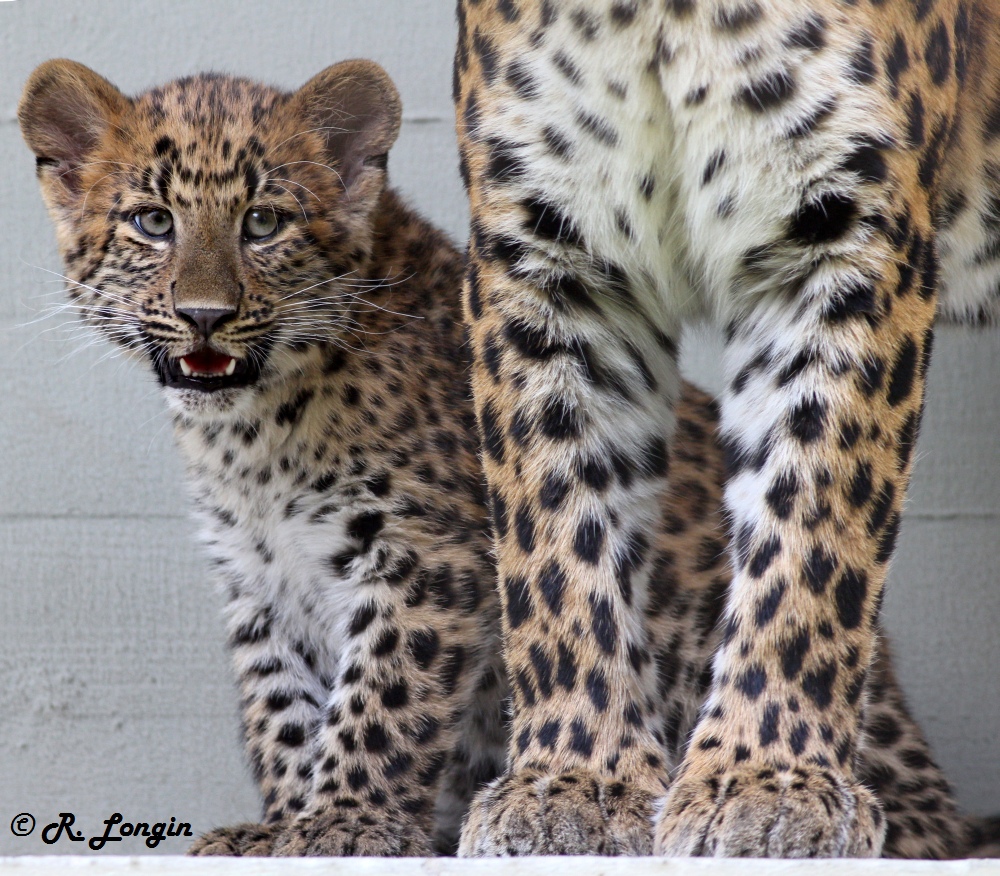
(230, 368)
(185, 368)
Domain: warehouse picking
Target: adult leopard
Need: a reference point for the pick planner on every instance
(819, 178)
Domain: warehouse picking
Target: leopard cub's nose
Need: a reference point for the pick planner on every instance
(206, 319)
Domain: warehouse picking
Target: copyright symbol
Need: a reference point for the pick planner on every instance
(23, 824)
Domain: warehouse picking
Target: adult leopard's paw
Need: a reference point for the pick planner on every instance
(246, 840)
(353, 833)
(573, 813)
(765, 812)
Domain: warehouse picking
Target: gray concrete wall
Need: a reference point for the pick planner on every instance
(115, 692)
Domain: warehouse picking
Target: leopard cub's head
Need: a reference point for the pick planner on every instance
(214, 226)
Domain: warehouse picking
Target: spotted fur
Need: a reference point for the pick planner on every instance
(819, 178)
(336, 480)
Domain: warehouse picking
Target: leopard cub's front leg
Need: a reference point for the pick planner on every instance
(361, 775)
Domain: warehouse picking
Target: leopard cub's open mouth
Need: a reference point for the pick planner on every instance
(207, 370)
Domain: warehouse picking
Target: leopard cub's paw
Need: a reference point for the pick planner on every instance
(247, 840)
(802, 812)
(353, 833)
(572, 813)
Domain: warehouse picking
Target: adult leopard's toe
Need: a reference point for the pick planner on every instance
(802, 812)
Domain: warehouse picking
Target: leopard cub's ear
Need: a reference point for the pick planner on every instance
(356, 107)
(64, 112)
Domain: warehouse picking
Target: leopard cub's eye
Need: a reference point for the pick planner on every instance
(154, 223)
(260, 223)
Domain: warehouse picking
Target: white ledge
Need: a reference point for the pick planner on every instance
(57, 865)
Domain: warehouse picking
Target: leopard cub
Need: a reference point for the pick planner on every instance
(305, 327)
(302, 323)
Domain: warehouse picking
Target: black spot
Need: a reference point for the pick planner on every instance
(897, 63)
(566, 670)
(527, 689)
(508, 9)
(492, 433)
(887, 540)
(781, 495)
(362, 618)
(862, 64)
(365, 527)
(823, 219)
(292, 735)
(553, 491)
(937, 54)
(552, 584)
(548, 733)
(761, 560)
(793, 652)
(807, 421)
(376, 740)
(162, 146)
(597, 689)
(531, 341)
(916, 130)
(504, 164)
(600, 129)
(903, 373)
(559, 420)
(881, 508)
(767, 607)
(769, 724)
(581, 740)
(908, 439)
(594, 472)
(603, 624)
(524, 526)
(396, 695)
(565, 66)
(423, 646)
(623, 12)
(543, 670)
(752, 682)
(883, 729)
(715, 163)
(737, 18)
(818, 684)
(850, 595)
(818, 569)
(550, 223)
(768, 92)
(289, 411)
(680, 8)
(798, 738)
(654, 459)
(589, 540)
(810, 34)
(472, 292)
(487, 52)
(860, 489)
(498, 510)
(856, 299)
(519, 606)
(867, 160)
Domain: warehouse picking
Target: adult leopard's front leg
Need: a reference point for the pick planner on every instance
(828, 343)
(575, 378)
